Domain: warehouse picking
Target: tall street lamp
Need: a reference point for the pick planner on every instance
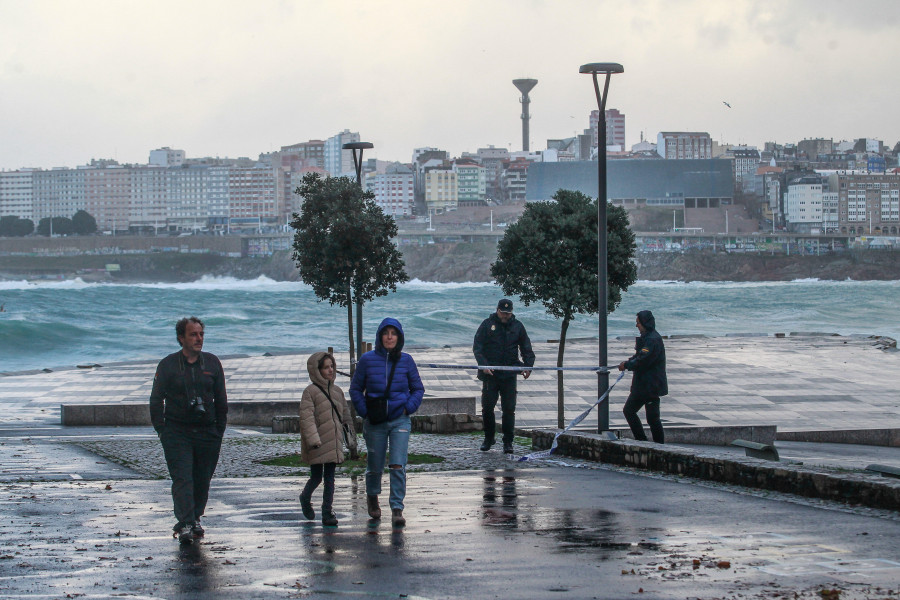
(602, 298)
(357, 164)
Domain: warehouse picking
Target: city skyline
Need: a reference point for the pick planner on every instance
(100, 79)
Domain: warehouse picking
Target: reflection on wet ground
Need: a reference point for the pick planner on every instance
(468, 535)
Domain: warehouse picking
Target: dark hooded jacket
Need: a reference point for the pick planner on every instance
(370, 378)
(649, 360)
(498, 344)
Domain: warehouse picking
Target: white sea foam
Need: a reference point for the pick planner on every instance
(65, 284)
(261, 283)
(437, 286)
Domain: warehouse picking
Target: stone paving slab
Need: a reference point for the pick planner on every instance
(796, 383)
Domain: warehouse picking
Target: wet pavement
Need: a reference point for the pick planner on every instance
(86, 512)
(503, 533)
(798, 383)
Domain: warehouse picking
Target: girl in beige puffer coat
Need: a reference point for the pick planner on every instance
(323, 414)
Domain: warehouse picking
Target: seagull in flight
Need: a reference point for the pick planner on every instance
(726, 104)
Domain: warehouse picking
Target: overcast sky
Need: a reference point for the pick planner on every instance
(115, 79)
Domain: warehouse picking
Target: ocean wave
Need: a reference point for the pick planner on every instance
(811, 281)
(208, 282)
(437, 286)
(65, 284)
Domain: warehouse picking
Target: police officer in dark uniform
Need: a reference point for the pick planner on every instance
(498, 342)
(649, 382)
(188, 409)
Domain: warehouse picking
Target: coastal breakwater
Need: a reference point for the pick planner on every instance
(451, 262)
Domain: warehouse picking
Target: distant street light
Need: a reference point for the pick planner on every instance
(357, 163)
(602, 295)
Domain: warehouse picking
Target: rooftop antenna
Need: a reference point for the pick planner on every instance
(525, 86)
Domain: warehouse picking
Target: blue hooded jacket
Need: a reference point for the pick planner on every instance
(371, 375)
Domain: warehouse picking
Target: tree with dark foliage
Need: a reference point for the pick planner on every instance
(550, 256)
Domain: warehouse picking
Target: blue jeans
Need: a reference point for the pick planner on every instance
(389, 441)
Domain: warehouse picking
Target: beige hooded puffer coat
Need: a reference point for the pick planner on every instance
(321, 439)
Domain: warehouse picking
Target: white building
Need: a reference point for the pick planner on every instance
(803, 204)
(166, 157)
(339, 162)
(394, 190)
(16, 195)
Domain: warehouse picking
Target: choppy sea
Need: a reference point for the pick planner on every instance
(53, 324)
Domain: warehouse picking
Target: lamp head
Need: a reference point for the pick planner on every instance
(601, 68)
(358, 146)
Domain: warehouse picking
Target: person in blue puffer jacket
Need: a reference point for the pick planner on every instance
(389, 438)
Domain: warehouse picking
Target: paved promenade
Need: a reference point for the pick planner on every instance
(87, 510)
(799, 383)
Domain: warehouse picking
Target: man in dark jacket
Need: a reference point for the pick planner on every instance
(188, 409)
(499, 341)
(649, 381)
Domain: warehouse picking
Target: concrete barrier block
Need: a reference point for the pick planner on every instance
(109, 414)
(136, 415)
(286, 424)
(77, 414)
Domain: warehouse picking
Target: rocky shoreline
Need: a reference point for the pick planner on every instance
(459, 262)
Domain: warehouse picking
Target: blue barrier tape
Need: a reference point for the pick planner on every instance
(545, 453)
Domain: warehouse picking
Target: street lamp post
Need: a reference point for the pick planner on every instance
(607, 69)
(357, 164)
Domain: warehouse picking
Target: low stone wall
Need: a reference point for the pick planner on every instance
(713, 436)
(249, 414)
(853, 488)
(869, 437)
(446, 423)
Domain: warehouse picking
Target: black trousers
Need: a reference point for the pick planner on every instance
(504, 389)
(316, 473)
(191, 455)
(651, 407)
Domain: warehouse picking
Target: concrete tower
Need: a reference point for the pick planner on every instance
(525, 86)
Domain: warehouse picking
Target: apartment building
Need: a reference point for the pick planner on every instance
(147, 210)
(58, 192)
(339, 162)
(16, 195)
(187, 202)
(615, 128)
(394, 190)
(515, 179)
(107, 197)
(441, 192)
(803, 204)
(167, 157)
(307, 154)
(256, 196)
(681, 145)
(868, 203)
(471, 183)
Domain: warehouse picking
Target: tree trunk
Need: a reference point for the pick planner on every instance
(359, 332)
(560, 377)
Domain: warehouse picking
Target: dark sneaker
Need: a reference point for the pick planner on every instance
(486, 445)
(372, 506)
(306, 507)
(397, 519)
(508, 449)
(197, 530)
(184, 535)
(329, 519)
